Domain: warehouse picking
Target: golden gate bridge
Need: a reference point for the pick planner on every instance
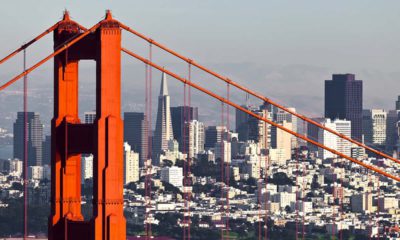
(103, 138)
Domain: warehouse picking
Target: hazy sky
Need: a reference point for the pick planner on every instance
(284, 49)
(342, 34)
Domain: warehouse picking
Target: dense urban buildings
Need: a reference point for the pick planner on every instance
(344, 100)
(302, 180)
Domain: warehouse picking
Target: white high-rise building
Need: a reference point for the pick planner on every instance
(194, 139)
(374, 126)
(343, 127)
(223, 151)
(332, 141)
(131, 164)
(87, 167)
(282, 140)
(172, 175)
(163, 132)
(328, 139)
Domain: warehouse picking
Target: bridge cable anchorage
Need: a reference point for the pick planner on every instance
(257, 95)
(216, 96)
(44, 60)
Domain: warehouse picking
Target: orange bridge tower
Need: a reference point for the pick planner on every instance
(103, 138)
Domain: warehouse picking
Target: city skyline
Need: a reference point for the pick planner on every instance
(153, 163)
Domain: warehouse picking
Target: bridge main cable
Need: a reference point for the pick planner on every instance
(257, 95)
(26, 45)
(216, 96)
(55, 53)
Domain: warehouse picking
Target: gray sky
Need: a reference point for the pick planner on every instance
(284, 49)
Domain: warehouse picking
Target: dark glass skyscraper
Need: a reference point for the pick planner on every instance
(135, 134)
(344, 100)
(177, 117)
(35, 138)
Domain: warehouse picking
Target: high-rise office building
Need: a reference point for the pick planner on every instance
(331, 140)
(34, 137)
(398, 103)
(136, 134)
(282, 140)
(344, 100)
(251, 128)
(131, 164)
(90, 117)
(312, 132)
(179, 115)
(374, 126)
(214, 134)
(163, 132)
(47, 150)
(194, 138)
(393, 116)
(223, 151)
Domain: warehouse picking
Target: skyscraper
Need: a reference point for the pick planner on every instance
(135, 134)
(164, 131)
(194, 139)
(251, 128)
(398, 103)
(34, 135)
(131, 164)
(333, 141)
(47, 150)
(213, 135)
(282, 140)
(178, 118)
(344, 100)
(374, 126)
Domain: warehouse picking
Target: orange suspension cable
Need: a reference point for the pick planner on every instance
(55, 53)
(212, 94)
(257, 95)
(26, 45)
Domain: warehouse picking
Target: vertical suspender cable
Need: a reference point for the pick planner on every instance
(25, 149)
(189, 117)
(227, 167)
(266, 180)
(185, 138)
(297, 190)
(222, 162)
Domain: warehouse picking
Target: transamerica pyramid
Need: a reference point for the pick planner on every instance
(163, 132)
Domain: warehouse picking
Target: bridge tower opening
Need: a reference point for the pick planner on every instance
(103, 138)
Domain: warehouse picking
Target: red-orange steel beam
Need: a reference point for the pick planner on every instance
(55, 53)
(49, 30)
(257, 95)
(216, 96)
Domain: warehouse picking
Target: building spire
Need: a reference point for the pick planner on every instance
(164, 85)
